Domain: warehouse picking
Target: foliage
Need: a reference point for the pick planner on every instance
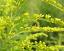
(31, 25)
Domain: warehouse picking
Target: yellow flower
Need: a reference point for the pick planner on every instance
(35, 29)
(47, 16)
(26, 14)
(38, 16)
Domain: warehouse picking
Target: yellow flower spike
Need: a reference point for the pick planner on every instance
(38, 16)
(57, 19)
(26, 14)
(52, 48)
(47, 16)
(41, 15)
(35, 28)
(41, 46)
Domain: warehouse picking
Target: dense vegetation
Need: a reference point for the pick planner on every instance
(31, 25)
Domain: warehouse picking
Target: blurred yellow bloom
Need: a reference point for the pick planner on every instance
(35, 28)
(26, 13)
(38, 16)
